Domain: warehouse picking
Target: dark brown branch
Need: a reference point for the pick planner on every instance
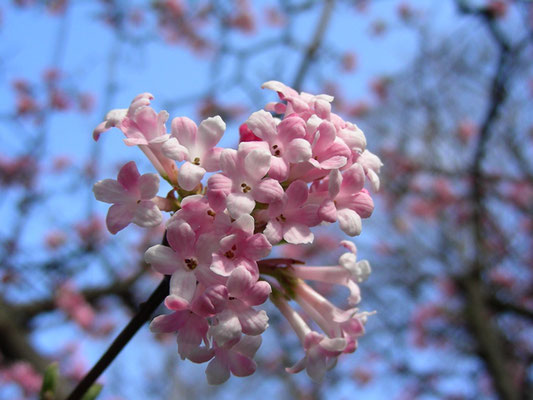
(143, 315)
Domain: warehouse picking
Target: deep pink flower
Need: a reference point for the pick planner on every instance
(132, 198)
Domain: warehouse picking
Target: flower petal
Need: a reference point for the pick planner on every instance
(162, 258)
(190, 175)
(128, 176)
(217, 372)
(147, 214)
(349, 222)
(119, 216)
(111, 191)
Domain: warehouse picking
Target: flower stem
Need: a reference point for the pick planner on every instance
(141, 317)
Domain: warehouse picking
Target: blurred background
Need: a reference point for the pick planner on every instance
(444, 93)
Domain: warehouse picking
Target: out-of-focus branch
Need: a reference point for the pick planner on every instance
(315, 44)
(507, 306)
(14, 344)
(488, 337)
(143, 315)
(121, 289)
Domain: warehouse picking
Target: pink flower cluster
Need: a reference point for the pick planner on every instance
(299, 168)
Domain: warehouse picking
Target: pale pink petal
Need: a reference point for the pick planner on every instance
(190, 175)
(240, 365)
(211, 159)
(267, 191)
(119, 216)
(227, 330)
(183, 284)
(334, 183)
(239, 282)
(169, 322)
(209, 132)
(353, 137)
(322, 108)
(257, 247)
(334, 162)
(353, 179)
(298, 367)
(257, 164)
(176, 303)
(128, 176)
(333, 344)
(279, 87)
(360, 202)
(291, 127)
(220, 265)
(298, 150)
(135, 141)
(297, 234)
(316, 366)
(181, 237)
(200, 354)
(262, 125)
(349, 222)
(148, 186)
(163, 259)
(273, 231)
(172, 149)
(374, 179)
(248, 345)
(279, 169)
(239, 204)
(327, 135)
(184, 129)
(229, 162)
(110, 191)
(253, 322)
(211, 302)
(355, 293)
(245, 223)
(258, 293)
(327, 211)
(217, 372)
(297, 194)
(147, 214)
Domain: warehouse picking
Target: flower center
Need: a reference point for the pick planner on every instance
(191, 263)
(245, 187)
(196, 161)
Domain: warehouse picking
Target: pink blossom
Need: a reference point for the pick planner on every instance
(144, 128)
(195, 145)
(244, 291)
(320, 352)
(23, 374)
(236, 359)
(285, 140)
(348, 202)
(132, 198)
(348, 273)
(242, 181)
(240, 247)
(290, 218)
